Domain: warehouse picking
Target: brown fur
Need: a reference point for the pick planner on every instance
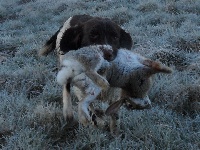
(128, 71)
(85, 30)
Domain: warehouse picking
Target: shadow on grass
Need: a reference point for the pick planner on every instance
(67, 133)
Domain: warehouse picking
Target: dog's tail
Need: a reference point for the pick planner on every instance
(49, 46)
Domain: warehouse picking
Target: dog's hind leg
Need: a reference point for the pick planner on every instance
(67, 103)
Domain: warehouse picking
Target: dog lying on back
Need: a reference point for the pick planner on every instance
(128, 71)
(80, 63)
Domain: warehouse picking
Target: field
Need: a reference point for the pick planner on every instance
(30, 99)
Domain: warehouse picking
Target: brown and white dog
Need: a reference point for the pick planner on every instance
(84, 30)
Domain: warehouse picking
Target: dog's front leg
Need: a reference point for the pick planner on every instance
(67, 105)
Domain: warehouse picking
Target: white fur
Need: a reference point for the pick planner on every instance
(75, 65)
(123, 65)
(127, 67)
(63, 75)
(129, 58)
(142, 101)
(62, 31)
(79, 94)
(91, 91)
(69, 69)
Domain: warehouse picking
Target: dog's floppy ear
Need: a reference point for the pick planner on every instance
(72, 38)
(125, 40)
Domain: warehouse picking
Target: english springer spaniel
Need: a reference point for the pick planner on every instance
(84, 30)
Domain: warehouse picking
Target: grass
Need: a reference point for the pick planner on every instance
(30, 99)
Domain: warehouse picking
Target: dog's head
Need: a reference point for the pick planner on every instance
(86, 30)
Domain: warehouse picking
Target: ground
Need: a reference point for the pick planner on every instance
(30, 99)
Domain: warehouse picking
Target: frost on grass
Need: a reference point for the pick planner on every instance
(30, 110)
